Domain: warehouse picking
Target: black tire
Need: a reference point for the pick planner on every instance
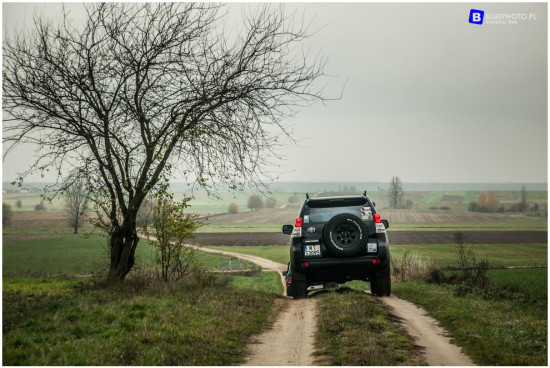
(382, 286)
(289, 290)
(373, 288)
(345, 235)
(299, 288)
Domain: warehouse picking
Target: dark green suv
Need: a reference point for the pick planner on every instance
(335, 240)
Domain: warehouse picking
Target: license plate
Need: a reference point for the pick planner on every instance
(312, 250)
(372, 247)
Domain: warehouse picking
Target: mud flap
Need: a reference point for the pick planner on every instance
(297, 275)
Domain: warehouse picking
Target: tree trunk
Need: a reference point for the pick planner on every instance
(123, 244)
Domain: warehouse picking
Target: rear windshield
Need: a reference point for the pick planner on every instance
(325, 214)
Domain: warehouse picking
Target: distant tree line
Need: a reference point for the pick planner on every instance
(490, 203)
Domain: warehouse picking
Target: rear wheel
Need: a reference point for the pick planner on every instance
(299, 288)
(381, 285)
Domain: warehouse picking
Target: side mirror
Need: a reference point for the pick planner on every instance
(285, 273)
(287, 229)
(374, 204)
(386, 223)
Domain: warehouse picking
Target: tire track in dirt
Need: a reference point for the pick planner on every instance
(291, 340)
(437, 348)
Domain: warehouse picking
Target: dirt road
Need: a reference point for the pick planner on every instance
(290, 342)
(437, 347)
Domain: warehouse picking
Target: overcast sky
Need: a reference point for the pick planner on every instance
(427, 96)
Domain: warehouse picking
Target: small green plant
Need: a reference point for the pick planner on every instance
(473, 273)
(173, 226)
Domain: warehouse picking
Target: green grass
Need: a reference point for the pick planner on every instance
(491, 331)
(356, 330)
(531, 283)
(269, 282)
(78, 255)
(60, 255)
(137, 323)
(445, 255)
(432, 198)
(46, 286)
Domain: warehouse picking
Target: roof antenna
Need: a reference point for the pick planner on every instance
(307, 196)
(365, 193)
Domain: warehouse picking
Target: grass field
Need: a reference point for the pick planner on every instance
(77, 255)
(510, 330)
(499, 255)
(71, 322)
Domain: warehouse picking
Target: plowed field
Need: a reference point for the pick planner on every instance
(401, 237)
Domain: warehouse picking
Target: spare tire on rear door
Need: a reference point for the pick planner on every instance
(345, 235)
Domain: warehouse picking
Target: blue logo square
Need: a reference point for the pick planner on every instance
(476, 16)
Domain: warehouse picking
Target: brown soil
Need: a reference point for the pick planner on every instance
(396, 238)
(290, 342)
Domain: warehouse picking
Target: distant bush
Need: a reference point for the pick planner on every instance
(255, 202)
(293, 199)
(18, 204)
(233, 208)
(446, 208)
(6, 214)
(40, 206)
(270, 203)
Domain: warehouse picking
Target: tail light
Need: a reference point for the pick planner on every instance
(375, 261)
(304, 264)
(377, 218)
(298, 227)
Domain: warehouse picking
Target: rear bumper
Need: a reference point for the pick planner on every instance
(339, 269)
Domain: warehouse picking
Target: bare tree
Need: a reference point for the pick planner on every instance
(143, 91)
(76, 203)
(395, 192)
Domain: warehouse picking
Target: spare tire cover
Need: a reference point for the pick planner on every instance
(345, 235)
